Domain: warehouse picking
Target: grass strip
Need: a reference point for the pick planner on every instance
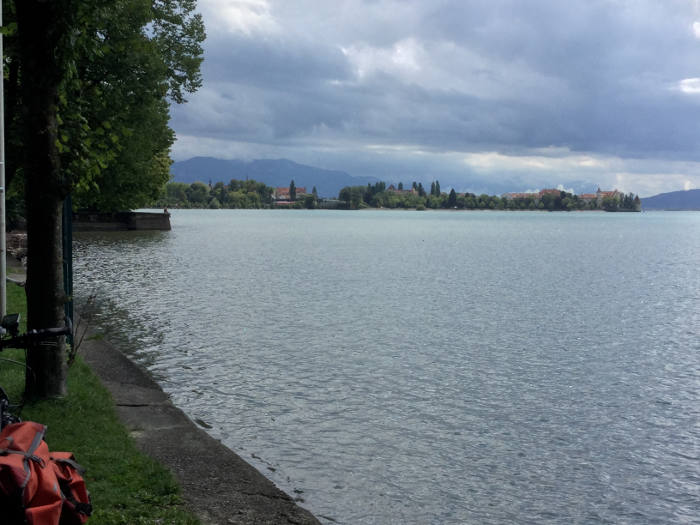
(127, 487)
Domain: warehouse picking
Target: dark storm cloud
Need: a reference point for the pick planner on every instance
(596, 77)
(273, 63)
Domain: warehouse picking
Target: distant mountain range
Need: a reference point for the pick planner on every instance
(675, 200)
(273, 172)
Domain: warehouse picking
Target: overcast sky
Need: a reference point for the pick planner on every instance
(483, 95)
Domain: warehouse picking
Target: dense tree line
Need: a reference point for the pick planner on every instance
(378, 196)
(627, 202)
(253, 194)
(246, 194)
(235, 194)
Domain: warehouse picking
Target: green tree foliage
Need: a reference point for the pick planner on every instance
(219, 191)
(235, 194)
(353, 196)
(452, 199)
(610, 204)
(198, 194)
(630, 202)
(178, 33)
(149, 52)
(127, 58)
(88, 83)
(433, 202)
(378, 196)
(292, 191)
(175, 193)
(309, 202)
(622, 202)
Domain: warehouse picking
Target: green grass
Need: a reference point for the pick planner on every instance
(126, 486)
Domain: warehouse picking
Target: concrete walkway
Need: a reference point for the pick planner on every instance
(217, 485)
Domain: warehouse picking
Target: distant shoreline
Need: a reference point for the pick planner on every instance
(455, 210)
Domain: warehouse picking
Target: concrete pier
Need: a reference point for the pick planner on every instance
(120, 221)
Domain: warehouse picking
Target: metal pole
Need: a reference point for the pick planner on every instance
(3, 240)
(67, 240)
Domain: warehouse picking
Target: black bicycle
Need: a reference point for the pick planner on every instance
(11, 338)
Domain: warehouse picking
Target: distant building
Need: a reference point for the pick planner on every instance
(600, 195)
(511, 196)
(282, 194)
(392, 189)
(531, 195)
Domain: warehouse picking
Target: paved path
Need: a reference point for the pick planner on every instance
(219, 487)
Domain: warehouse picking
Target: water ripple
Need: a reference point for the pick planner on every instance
(428, 368)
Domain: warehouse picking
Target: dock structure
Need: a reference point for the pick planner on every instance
(121, 221)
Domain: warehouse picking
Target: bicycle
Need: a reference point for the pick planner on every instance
(57, 492)
(10, 326)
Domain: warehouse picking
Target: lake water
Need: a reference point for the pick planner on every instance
(434, 367)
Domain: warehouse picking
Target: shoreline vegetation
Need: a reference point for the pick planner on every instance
(250, 194)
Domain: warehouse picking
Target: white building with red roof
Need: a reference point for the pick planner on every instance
(282, 194)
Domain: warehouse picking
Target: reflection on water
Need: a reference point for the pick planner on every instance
(427, 367)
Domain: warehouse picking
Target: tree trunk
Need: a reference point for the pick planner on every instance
(42, 28)
(46, 364)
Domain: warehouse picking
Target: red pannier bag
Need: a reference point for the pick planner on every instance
(27, 479)
(76, 499)
(31, 483)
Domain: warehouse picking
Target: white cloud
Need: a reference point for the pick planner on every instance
(696, 29)
(649, 184)
(560, 161)
(238, 16)
(448, 66)
(402, 59)
(590, 162)
(690, 86)
(561, 187)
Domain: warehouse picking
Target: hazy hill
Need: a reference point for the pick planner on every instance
(273, 172)
(675, 200)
